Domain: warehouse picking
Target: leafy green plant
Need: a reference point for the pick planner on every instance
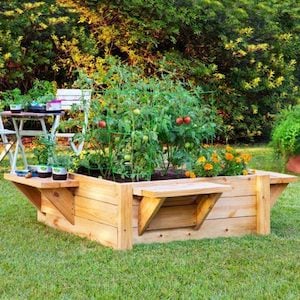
(135, 129)
(286, 133)
(42, 91)
(62, 160)
(15, 96)
(44, 150)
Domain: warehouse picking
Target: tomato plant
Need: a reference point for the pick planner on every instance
(134, 128)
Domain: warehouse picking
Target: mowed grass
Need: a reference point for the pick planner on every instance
(37, 262)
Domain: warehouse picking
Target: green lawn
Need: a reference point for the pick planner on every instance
(37, 262)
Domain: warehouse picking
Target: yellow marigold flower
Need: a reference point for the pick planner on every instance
(246, 157)
(9, 13)
(208, 167)
(7, 56)
(215, 158)
(192, 175)
(228, 148)
(201, 159)
(229, 156)
(187, 173)
(245, 172)
(238, 160)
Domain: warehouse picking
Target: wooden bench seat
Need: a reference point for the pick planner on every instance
(154, 196)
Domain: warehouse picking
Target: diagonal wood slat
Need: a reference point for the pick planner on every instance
(204, 206)
(147, 210)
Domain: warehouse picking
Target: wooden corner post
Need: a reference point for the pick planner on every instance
(125, 217)
(263, 204)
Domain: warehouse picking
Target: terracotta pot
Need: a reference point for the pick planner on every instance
(293, 164)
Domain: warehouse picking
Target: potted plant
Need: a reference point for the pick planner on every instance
(61, 164)
(44, 152)
(286, 138)
(41, 93)
(15, 100)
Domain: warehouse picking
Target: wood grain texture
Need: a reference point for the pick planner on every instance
(97, 189)
(63, 200)
(204, 206)
(263, 204)
(125, 217)
(184, 189)
(276, 190)
(209, 229)
(147, 210)
(42, 183)
(102, 233)
(97, 211)
(184, 215)
(31, 193)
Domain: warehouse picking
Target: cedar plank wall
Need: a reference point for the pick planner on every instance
(233, 215)
(107, 213)
(96, 211)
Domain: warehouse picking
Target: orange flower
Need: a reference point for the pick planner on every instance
(208, 167)
(229, 156)
(201, 159)
(187, 173)
(228, 148)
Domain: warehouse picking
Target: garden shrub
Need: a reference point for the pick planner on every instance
(243, 54)
(286, 133)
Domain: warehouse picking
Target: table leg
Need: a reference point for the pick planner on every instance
(55, 126)
(19, 146)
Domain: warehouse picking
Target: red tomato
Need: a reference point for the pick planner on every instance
(179, 120)
(187, 120)
(102, 124)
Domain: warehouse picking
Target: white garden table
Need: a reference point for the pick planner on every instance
(19, 119)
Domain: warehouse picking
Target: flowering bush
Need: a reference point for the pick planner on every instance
(219, 161)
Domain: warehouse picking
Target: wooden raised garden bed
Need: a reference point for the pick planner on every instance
(120, 215)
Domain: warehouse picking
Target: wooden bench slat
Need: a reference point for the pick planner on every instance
(42, 183)
(185, 189)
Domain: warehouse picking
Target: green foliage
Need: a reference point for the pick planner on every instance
(14, 96)
(133, 127)
(246, 53)
(42, 91)
(44, 150)
(286, 133)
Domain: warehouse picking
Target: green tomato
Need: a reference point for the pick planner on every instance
(187, 145)
(145, 138)
(127, 157)
(136, 111)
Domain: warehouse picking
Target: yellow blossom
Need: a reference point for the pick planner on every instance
(201, 159)
(228, 148)
(9, 13)
(245, 172)
(246, 157)
(7, 56)
(192, 175)
(238, 160)
(215, 158)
